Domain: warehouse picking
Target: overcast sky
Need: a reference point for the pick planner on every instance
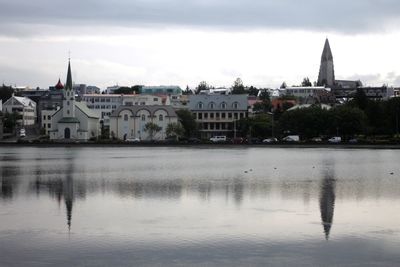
(183, 42)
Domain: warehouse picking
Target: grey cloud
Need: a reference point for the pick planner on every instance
(339, 16)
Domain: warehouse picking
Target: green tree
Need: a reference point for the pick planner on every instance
(283, 85)
(152, 129)
(252, 91)
(175, 129)
(306, 82)
(5, 92)
(129, 90)
(238, 87)
(10, 121)
(258, 126)
(348, 121)
(202, 86)
(188, 122)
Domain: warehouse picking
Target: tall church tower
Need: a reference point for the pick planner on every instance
(69, 96)
(326, 75)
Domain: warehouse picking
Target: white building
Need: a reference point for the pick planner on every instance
(129, 121)
(105, 104)
(304, 92)
(74, 121)
(46, 120)
(24, 107)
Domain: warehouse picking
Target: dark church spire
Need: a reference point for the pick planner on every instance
(326, 75)
(68, 83)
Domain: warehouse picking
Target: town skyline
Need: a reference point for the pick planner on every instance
(164, 43)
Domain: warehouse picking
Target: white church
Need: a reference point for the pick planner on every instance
(74, 121)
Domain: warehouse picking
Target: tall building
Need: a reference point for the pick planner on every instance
(326, 75)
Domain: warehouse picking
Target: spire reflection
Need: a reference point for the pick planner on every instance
(327, 202)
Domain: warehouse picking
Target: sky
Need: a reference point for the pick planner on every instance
(184, 42)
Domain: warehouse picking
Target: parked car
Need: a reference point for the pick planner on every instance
(316, 140)
(270, 140)
(353, 141)
(238, 140)
(132, 140)
(291, 138)
(253, 140)
(194, 140)
(218, 139)
(335, 139)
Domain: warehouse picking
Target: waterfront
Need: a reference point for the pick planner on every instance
(226, 206)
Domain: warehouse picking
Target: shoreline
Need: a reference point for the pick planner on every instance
(201, 145)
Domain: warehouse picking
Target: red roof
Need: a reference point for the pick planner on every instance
(59, 85)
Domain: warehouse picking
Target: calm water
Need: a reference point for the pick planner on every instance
(199, 207)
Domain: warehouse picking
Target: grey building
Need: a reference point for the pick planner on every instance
(218, 114)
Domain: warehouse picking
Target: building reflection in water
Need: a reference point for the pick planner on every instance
(9, 178)
(327, 201)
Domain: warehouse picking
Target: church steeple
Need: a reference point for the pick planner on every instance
(68, 83)
(326, 75)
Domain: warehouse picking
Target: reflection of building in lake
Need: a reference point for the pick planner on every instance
(8, 181)
(327, 203)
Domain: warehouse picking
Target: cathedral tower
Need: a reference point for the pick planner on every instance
(326, 75)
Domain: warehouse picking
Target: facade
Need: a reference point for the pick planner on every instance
(161, 90)
(24, 106)
(45, 119)
(217, 114)
(105, 104)
(326, 75)
(305, 92)
(74, 121)
(129, 121)
(377, 93)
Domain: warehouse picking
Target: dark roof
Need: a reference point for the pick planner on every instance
(150, 108)
(327, 53)
(59, 85)
(68, 83)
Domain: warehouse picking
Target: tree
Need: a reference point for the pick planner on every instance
(152, 129)
(259, 126)
(283, 85)
(5, 92)
(202, 86)
(253, 91)
(238, 87)
(349, 121)
(175, 129)
(129, 90)
(187, 91)
(188, 122)
(265, 105)
(360, 99)
(306, 82)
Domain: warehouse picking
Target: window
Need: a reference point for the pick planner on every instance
(211, 115)
(49, 125)
(155, 99)
(129, 103)
(160, 117)
(200, 116)
(44, 117)
(223, 105)
(67, 103)
(223, 115)
(200, 105)
(212, 105)
(143, 117)
(236, 116)
(217, 126)
(142, 103)
(126, 117)
(211, 126)
(68, 111)
(235, 105)
(217, 115)
(48, 117)
(230, 115)
(44, 125)
(205, 115)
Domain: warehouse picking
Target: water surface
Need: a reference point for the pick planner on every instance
(199, 206)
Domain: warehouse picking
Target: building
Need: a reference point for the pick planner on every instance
(374, 93)
(305, 92)
(130, 121)
(73, 121)
(46, 116)
(105, 104)
(24, 107)
(161, 90)
(217, 114)
(326, 76)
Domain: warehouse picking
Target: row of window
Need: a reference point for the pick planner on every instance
(93, 100)
(217, 126)
(48, 117)
(212, 105)
(48, 125)
(218, 115)
(143, 117)
(102, 106)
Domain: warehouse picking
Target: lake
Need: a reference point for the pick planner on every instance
(199, 206)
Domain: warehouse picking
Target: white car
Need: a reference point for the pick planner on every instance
(22, 133)
(217, 139)
(270, 140)
(291, 138)
(335, 139)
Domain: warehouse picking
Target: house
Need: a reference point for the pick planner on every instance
(74, 120)
(218, 114)
(130, 121)
(24, 107)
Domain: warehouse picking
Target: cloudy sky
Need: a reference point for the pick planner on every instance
(183, 42)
